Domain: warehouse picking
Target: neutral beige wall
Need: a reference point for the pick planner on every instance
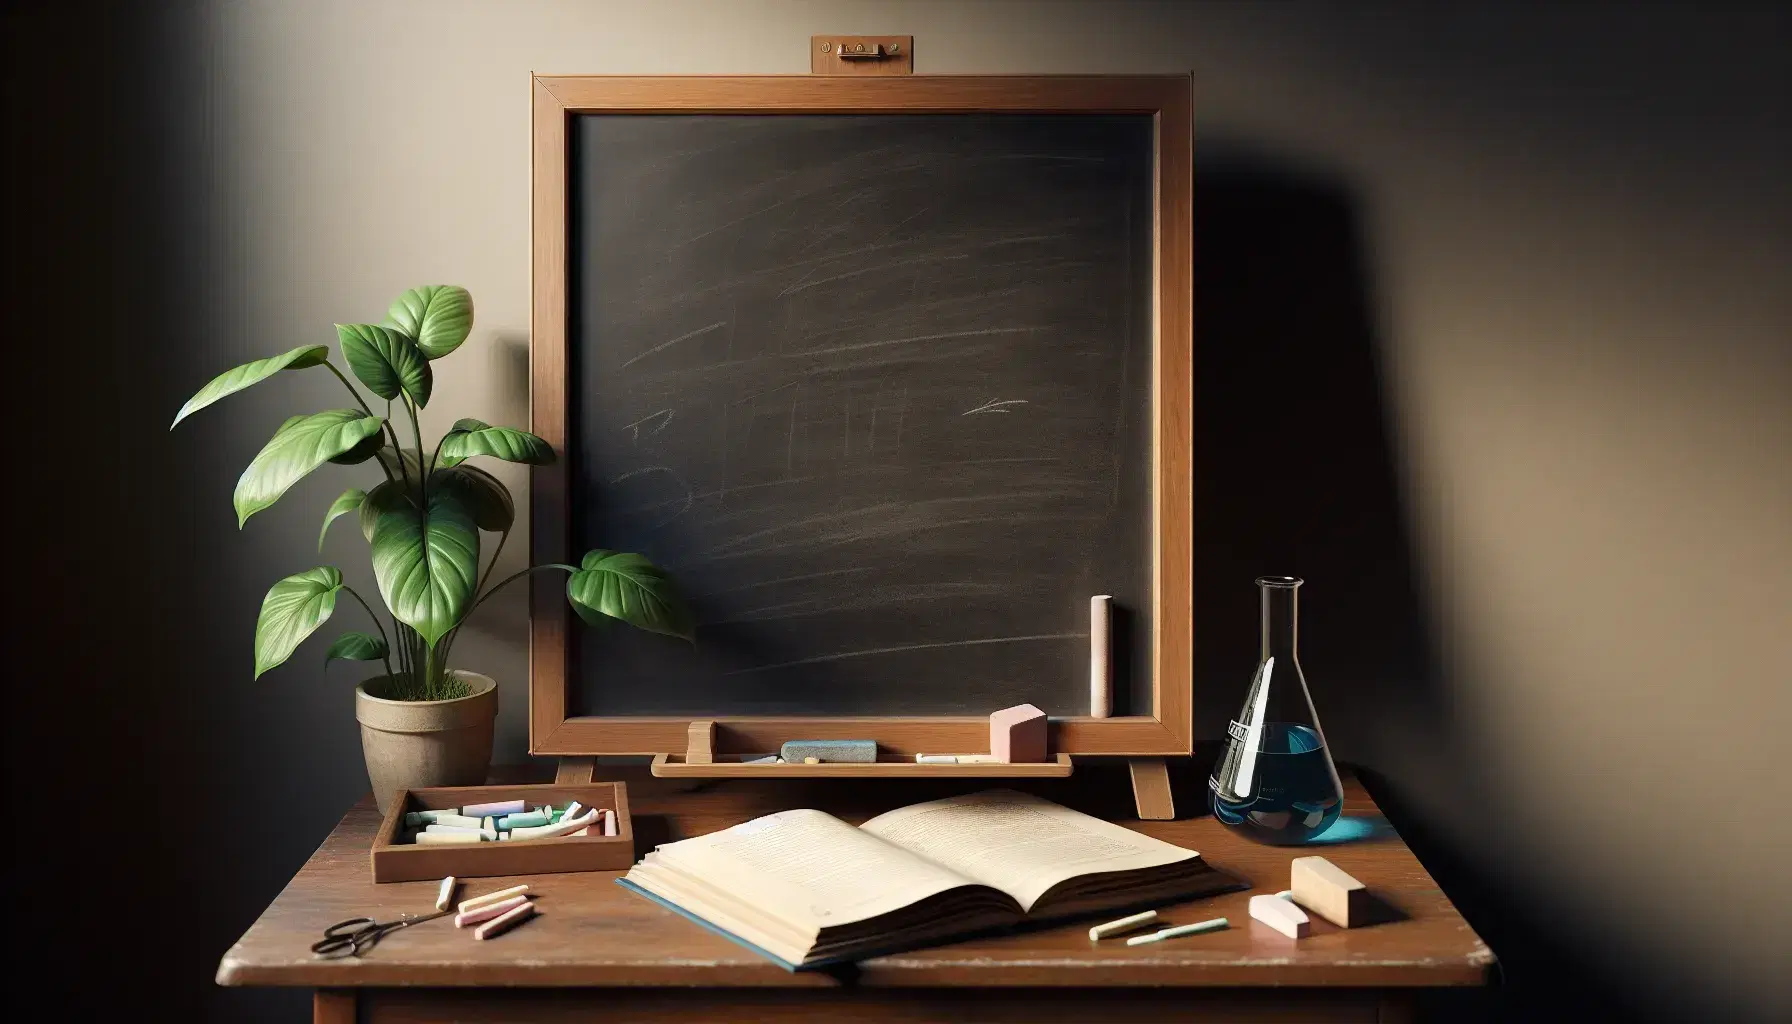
(1580, 264)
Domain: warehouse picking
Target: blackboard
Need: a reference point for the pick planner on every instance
(876, 388)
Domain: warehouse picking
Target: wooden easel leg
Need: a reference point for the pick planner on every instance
(1151, 788)
(575, 771)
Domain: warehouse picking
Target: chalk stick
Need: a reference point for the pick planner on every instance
(609, 822)
(447, 838)
(496, 808)
(936, 758)
(1101, 679)
(553, 831)
(463, 820)
(504, 922)
(1214, 925)
(483, 833)
(573, 810)
(1326, 890)
(1282, 915)
(523, 819)
(418, 818)
(764, 759)
(489, 911)
(1125, 924)
(445, 895)
(490, 897)
(830, 751)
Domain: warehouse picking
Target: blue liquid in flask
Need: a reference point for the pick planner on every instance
(1276, 783)
(1286, 794)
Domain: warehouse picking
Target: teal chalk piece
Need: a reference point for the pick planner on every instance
(530, 819)
(834, 751)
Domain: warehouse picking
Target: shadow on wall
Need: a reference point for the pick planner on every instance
(1296, 473)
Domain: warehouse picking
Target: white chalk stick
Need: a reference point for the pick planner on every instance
(1214, 925)
(490, 897)
(456, 819)
(936, 758)
(573, 810)
(489, 911)
(490, 835)
(496, 808)
(610, 823)
(503, 923)
(1125, 924)
(1282, 915)
(445, 895)
(1101, 663)
(447, 838)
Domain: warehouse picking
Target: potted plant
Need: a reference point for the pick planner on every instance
(422, 722)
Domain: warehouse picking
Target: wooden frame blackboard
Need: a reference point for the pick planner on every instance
(1166, 100)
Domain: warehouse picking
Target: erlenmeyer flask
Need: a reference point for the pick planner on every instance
(1276, 783)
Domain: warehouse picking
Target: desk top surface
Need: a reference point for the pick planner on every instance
(592, 932)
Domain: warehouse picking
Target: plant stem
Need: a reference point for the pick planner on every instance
(377, 624)
(417, 433)
(512, 578)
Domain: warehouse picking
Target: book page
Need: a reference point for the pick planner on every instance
(811, 868)
(1018, 843)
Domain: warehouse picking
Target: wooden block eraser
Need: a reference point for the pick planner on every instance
(1017, 735)
(1326, 890)
(1281, 915)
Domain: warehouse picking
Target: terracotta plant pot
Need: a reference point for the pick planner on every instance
(418, 744)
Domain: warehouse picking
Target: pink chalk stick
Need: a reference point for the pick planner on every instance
(494, 809)
(489, 911)
(500, 925)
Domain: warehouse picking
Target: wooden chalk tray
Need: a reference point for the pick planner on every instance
(394, 861)
(675, 766)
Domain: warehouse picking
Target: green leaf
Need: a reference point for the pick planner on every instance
(498, 442)
(461, 426)
(380, 500)
(439, 316)
(249, 374)
(292, 611)
(356, 647)
(487, 500)
(387, 361)
(427, 563)
(302, 444)
(362, 452)
(631, 588)
(467, 423)
(347, 501)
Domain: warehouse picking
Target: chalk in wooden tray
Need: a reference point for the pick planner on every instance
(489, 911)
(1214, 925)
(463, 820)
(475, 902)
(936, 758)
(609, 822)
(1326, 890)
(831, 751)
(1125, 924)
(447, 838)
(510, 919)
(551, 831)
(573, 810)
(523, 819)
(483, 833)
(496, 808)
(417, 818)
(445, 895)
(764, 759)
(1282, 915)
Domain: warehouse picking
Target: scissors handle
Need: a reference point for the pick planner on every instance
(344, 938)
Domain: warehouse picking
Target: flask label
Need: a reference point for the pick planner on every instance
(1237, 730)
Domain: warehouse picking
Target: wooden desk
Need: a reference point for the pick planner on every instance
(600, 952)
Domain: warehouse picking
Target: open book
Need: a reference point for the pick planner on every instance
(805, 888)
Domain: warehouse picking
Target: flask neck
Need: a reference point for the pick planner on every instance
(1280, 621)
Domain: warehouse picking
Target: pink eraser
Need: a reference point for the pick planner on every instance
(1017, 734)
(489, 911)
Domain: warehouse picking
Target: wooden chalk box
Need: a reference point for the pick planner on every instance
(397, 861)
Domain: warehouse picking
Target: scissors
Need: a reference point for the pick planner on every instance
(359, 934)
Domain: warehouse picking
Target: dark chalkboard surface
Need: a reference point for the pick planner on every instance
(876, 388)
